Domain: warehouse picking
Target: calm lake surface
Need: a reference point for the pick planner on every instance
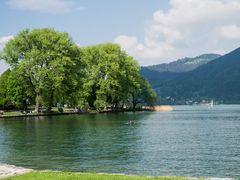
(189, 141)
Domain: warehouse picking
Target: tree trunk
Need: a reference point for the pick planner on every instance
(134, 102)
(122, 107)
(49, 108)
(116, 105)
(37, 104)
(24, 105)
(134, 106)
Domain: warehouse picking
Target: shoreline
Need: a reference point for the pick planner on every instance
(8, 171)
(40, 114)
(145, 109)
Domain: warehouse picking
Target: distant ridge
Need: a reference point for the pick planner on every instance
(219, 80)
(160, 73)
(185, 64)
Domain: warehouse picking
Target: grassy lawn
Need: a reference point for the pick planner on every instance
(16, 113)
(19, 113)
(13, 113)
(82, 176)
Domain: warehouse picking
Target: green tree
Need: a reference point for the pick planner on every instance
(102, 85)
(111, 78)
(47, 61)
(141, 93)
(4, 98)
(13, 90)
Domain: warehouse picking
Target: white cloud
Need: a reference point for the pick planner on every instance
(3, 41)
(149, 51)
(231, 31)
(188, 28)
(45, 6)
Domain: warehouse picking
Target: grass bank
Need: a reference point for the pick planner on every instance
(18, 113)
(36, 175)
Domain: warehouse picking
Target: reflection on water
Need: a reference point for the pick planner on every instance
(189, 141)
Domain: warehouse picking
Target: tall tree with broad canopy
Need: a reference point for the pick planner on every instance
(48, 62)
(112, 79)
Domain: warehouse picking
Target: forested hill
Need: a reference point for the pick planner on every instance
(185, 64)
(158, 74)
(218, 80)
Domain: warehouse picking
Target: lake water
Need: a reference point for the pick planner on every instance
(190, 141)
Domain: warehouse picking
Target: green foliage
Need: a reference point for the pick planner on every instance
(13, 91)
(4, 81)
(48, 68)
(141, 93)
(111, 76)
(46, 60)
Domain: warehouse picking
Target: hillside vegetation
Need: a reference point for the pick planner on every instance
(160, 73)
(218, 80)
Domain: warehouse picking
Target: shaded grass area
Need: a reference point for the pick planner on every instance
(20, 113)
(13, 113)
(83, 176)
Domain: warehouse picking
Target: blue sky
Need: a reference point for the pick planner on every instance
(88, 21)
(152, 31)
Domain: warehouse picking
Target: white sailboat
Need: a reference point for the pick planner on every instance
(210, 104)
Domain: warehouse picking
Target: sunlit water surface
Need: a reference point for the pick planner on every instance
(194, 141)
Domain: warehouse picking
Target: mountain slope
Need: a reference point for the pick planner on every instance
(159, 74)
(185, 64)
(156, 78)
(218, 80)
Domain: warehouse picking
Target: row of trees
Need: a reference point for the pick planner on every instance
(48, 68)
